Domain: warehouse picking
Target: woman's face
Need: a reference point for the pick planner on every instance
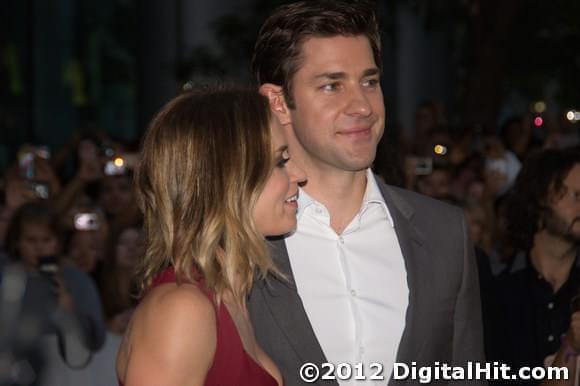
(86, 249)
(275, 211)
(129, 248)
(36, 240)
(116, 194)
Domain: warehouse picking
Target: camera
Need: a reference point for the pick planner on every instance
(48, 267)
(86, 221)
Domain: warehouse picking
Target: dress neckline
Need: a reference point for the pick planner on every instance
(239, 338)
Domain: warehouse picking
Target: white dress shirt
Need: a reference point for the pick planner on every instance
(354, 285)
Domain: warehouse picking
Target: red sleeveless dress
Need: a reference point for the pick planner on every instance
(232, 366)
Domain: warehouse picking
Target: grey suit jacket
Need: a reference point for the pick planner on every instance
(443, 319)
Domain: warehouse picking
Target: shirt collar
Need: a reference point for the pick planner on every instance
(372, 195)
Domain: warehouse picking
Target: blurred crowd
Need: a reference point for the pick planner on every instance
(70, 219)
(470, 167)
(519, 188)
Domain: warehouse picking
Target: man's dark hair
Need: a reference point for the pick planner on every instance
(277, 52)
(540, 180)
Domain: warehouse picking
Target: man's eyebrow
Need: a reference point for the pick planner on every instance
(331, 75)
(371, 71)
(342, 75)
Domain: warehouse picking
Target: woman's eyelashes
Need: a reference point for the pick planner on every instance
(282, 162)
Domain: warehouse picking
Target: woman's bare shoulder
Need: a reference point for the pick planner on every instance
(171, 338)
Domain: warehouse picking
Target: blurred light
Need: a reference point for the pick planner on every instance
(538, 121)
(539, 107)
(573, 116)
(440, 149)
(119, 162)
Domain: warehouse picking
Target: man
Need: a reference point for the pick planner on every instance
(535, 306)
(373, 273)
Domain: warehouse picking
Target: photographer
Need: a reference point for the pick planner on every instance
(60, 296)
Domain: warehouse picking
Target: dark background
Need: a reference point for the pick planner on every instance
(110, 64)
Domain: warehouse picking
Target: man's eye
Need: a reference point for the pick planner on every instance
(330, 87)
(371, 83)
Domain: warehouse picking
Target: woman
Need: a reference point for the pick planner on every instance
(58, 294)
(116, 278)
(214, 179)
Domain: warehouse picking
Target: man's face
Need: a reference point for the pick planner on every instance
(339, 114)
(563, 218)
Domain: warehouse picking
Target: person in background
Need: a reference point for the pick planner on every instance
(215, 178)
(117, 276)
(437, 183)
(116, 196)
(58, 293)
(37, 184)
(516, 134)
(537, 289)
(480, 224)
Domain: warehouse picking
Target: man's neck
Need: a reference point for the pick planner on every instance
(341, 192)
(553, 258)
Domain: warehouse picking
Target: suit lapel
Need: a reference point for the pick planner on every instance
(414, 253)
(286, 306)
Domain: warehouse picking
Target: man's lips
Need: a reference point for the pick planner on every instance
(355, 132)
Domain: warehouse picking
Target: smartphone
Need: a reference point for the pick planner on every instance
(86, 221)
(423, 166)
(40, 189)
(26, 163)
(115, 167)
(48, 267)
(48, 264)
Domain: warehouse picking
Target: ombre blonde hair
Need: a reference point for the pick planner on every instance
(205, 160)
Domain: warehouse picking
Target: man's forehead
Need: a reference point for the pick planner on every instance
(336, 50)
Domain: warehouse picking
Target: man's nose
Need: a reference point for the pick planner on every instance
(358, 103)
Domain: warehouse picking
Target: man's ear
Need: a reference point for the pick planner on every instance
(277, 101)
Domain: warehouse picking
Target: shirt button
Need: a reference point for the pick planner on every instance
(551, 338)
(341, 239)
(353, 292)
(550, 305)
